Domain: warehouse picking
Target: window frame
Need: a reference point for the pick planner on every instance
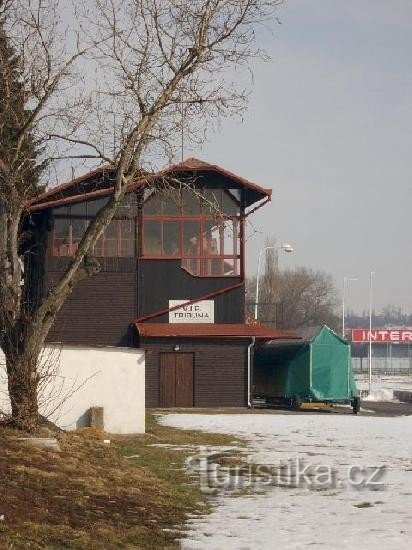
(202, 261)
(72, 247)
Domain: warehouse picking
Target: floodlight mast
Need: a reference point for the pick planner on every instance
(345, 281)
(372, 273)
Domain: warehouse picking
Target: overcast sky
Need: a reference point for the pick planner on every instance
(329, 129)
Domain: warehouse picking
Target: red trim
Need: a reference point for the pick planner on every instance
(70, 200)
(72, 182)
(206, 330)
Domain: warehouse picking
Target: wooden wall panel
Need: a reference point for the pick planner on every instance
(220, 370)
(99, 311)
(162, 280)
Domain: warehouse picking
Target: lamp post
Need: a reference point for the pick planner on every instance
(372, 273)
(345, 281)
(286, 248)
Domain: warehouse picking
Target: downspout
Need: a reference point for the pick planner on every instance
(249, 369)
(310, 370)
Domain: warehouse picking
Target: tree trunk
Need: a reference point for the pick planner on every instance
(22, 386)
(22, 349)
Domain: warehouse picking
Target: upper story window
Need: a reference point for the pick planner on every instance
(202, 228)
(118, 239)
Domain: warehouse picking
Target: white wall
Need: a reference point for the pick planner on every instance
(112, 378)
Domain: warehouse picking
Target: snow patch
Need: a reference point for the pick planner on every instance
(297, 518)
(382, 394)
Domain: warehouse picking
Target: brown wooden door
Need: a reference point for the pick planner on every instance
(176, 380)
(184, 380)
(167, 380)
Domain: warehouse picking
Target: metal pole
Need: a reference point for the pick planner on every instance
(370, 328)
(257, 283)
(345, 281)
(343, 307)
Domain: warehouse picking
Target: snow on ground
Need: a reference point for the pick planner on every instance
(382, 381)
(383, 386)
(339, 516)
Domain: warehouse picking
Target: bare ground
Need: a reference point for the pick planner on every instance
(91, 496)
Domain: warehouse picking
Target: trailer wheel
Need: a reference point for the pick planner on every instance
(296, 402)
(356, 405)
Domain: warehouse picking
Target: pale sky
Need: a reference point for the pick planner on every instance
(329, 129)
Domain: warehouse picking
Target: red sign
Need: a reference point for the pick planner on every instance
(382, 335)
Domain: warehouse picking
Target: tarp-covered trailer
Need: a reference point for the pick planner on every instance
(316, 368)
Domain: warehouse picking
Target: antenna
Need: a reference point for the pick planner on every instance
(183, 128)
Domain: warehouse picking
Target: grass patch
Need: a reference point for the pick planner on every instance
(91, 496)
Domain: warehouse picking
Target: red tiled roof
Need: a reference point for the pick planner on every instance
(205, 330)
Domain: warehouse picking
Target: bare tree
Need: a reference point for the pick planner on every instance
(295, 298)
(152, 62)
(309, 298)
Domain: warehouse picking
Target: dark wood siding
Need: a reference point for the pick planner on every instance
(35, 253)
(164, 280)
(220, 370)
(99, 311)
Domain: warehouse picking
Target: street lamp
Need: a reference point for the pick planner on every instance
(286, 248)
(345, 281)
(372, 273)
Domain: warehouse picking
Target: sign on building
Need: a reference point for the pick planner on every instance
(199, 312)
(382, 335)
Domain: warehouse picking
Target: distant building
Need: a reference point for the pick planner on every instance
(391, 350)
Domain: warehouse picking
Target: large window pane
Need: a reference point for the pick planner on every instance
(212, 202)
(153, 205)
(211, 239)
(99, 247)
(152, 238)
(230, 267)
(229, 238)
(128, 207)
(61, 237)
(172, 202)
(229, 206)
(191, 238)
(78, 209)
(111, 231)
(191, 203)
(61, 228)
(127, 237)
(171, 238)
(127, 229)
(94, 206)
(78, 229)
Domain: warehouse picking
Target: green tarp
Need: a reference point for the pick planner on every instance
(316, 368)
